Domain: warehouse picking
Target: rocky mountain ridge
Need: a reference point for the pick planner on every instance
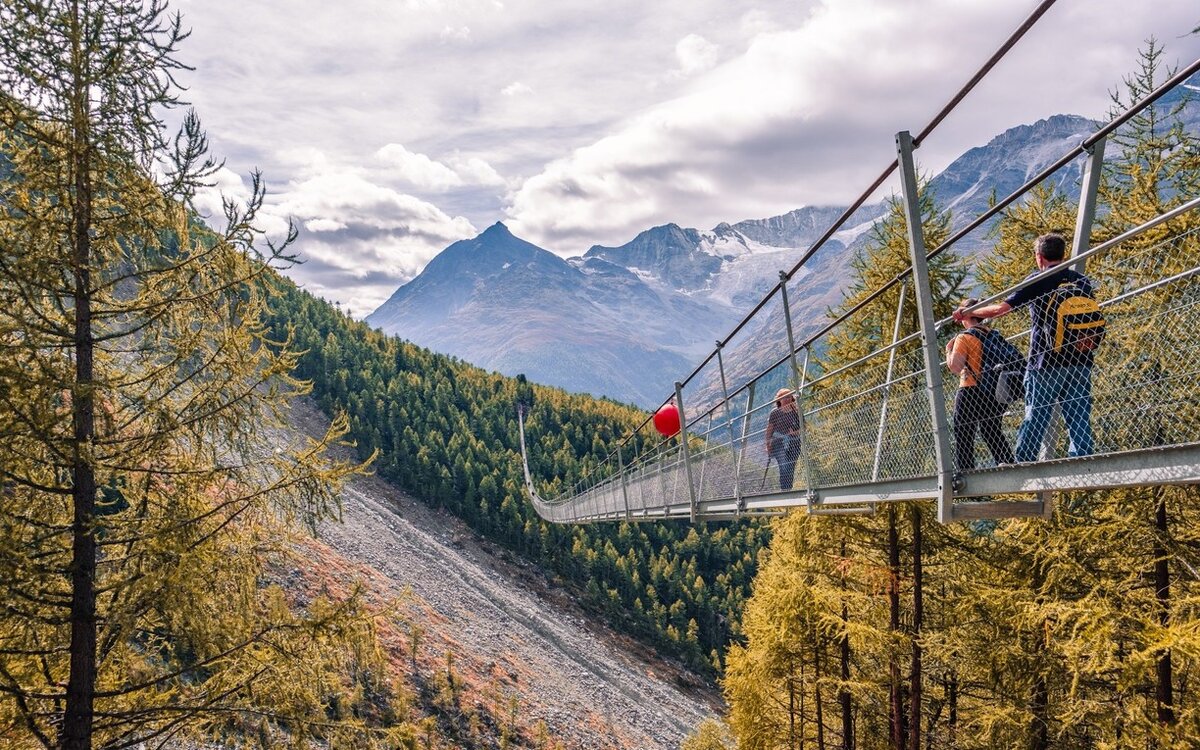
(626, 321)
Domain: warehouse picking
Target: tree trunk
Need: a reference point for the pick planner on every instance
(1039, 726)
(77, 720)
(791, 683)
(952, 716)
(817, 696)
(914, 724)
(1164, 692)
(897, 699)
(803, 715)
(1039, 698)
(81, 682)
(844, 693)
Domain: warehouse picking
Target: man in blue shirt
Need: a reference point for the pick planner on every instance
(1062, 377)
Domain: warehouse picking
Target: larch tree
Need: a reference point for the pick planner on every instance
(146, 477)
(1153, 166)
(900, 430)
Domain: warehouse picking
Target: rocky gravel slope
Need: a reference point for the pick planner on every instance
(517, 640)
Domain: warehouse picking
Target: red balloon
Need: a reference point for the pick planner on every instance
(666, 420)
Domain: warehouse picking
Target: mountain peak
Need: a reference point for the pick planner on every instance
(496, 231)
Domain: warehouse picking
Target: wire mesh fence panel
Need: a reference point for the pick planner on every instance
(772, 432)
(1098, 356)
(905, 446)
(846, 444)
(1145, 376)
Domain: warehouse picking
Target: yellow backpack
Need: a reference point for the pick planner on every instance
(1077, 323)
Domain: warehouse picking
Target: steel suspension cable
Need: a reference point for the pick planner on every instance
(1008, 44)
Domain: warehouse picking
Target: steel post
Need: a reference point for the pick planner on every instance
(704, 462)
(943, 451)
(887, 390)
(683, 443)
(1088, 194)
(737, 476)
(804, 451)
(787, 320)
(741, 455)
(624, 481)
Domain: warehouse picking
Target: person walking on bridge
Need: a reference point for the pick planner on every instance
(1056, 374)
(783, 436)
(975, 404)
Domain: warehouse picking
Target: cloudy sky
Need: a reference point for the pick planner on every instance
(387, 129)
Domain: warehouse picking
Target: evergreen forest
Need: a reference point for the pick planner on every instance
(447, 432)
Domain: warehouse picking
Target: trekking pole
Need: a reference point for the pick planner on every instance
(762, 485)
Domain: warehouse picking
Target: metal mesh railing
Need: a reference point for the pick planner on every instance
(863, 422)
(1136, 391)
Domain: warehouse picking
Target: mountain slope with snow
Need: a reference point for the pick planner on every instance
(627, 321)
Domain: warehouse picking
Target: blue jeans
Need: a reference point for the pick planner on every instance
(785, 451)
(1071, 388)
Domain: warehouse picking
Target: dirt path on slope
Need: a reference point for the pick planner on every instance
(511, 633)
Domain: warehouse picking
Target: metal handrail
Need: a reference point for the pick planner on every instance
(992, 211)
(1193, 204)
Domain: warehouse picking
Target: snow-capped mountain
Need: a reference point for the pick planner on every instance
(628, 321)
(587, 325)
(1008, 161)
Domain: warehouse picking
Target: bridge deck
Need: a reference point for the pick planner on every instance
(885, 425)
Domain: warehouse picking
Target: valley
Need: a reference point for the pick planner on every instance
(522, 644)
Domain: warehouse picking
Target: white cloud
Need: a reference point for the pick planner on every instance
(229, 185)
(807, 115)
(323, 225)
(418, 169)
(757, 21)
(361, 239)
(365, 239)
(455, 34)
(474, 171)
(695, 54)
(358, 202)
(572, 104)
(516, 88)
(424, 173)
(225, 182)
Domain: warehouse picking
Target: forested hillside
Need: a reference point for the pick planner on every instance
(447, 432)
(152, 493)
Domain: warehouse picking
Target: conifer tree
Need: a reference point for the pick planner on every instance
(145, 472)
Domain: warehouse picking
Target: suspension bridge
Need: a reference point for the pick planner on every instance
(884, 427)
